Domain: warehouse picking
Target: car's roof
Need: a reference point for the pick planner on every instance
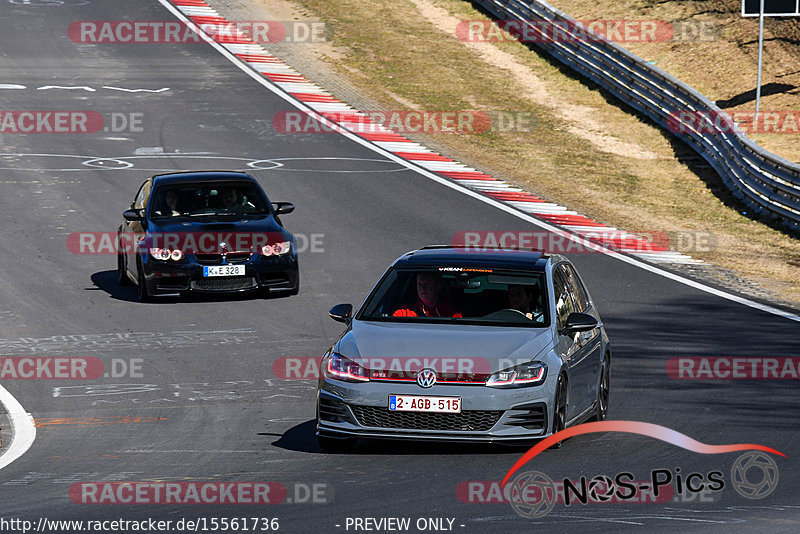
(202, 176)
(447, 256)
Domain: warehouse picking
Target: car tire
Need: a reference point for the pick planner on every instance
(122, 274)
(603, 391)
(559, 409)
(142, 293)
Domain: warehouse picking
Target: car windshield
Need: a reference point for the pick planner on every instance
(205, 200)
(459, 295)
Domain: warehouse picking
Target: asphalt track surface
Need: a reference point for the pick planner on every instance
(208, 406)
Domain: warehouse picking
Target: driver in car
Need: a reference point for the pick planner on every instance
(429, 302)
(228, 197)
(520, 298)
(232, 201)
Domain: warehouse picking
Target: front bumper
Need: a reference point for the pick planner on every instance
(170, 278)
(360, 410)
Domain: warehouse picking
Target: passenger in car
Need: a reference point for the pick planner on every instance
(170, 208)
(429, 302)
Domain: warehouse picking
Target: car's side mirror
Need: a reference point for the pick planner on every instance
(579, 322)
(342, 313)
(131, 215)
(282, 208)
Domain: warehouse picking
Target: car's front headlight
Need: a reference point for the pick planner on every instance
(164, 254)
(527, 374)
(341, 368)
(277, 249)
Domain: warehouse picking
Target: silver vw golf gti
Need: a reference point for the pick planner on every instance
(466, 345)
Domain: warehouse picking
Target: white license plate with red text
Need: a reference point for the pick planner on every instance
(414, 403)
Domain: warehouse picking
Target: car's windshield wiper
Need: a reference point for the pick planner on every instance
(215, 214)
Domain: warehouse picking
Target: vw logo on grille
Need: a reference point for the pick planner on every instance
(426, 378)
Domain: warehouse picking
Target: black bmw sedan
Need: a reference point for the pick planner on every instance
(210, 232)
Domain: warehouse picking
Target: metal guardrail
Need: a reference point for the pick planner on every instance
(766, 182)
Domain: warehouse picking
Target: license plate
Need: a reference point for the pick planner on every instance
(223, 270)
(413, 403)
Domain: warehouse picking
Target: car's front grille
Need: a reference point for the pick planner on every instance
(394, 375)
(530, 416)
(468, 420)
(216, 259)
(225, 284)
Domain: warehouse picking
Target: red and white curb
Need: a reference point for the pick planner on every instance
(350, 119)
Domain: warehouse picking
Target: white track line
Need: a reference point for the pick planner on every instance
(22, 423)
(241, 64)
